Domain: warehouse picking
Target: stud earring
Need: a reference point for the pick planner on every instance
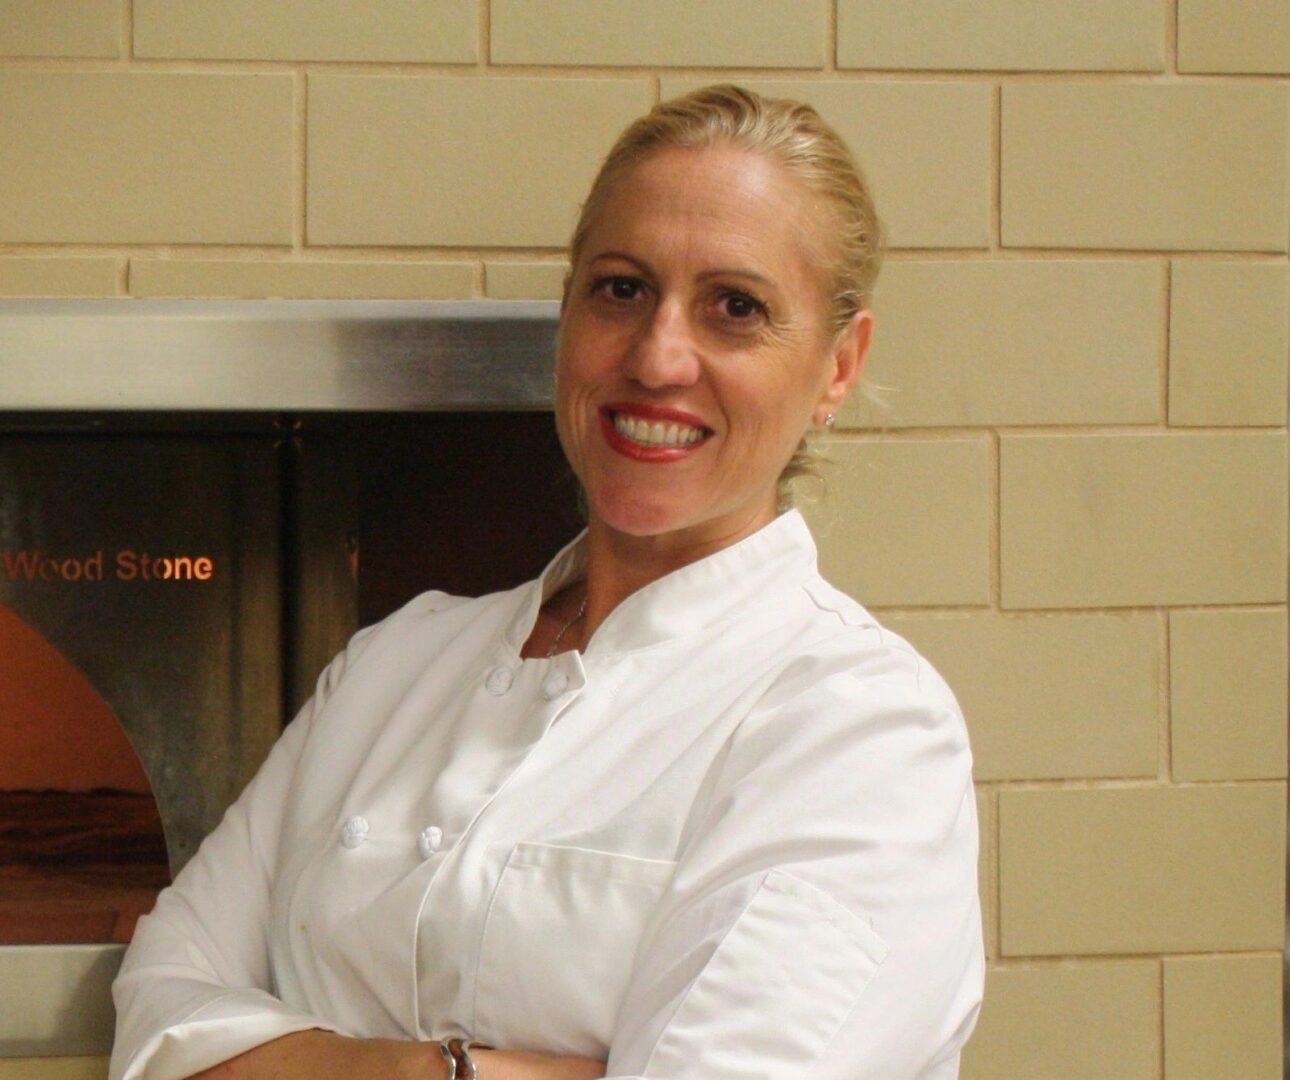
(829, 420)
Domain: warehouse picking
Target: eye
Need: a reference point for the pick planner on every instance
(741, 307)
(617, 287)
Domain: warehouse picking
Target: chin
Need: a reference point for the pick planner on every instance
(638, 521)
(634, 515)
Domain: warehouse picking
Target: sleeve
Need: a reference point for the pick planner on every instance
(194, 986)
(824, 917)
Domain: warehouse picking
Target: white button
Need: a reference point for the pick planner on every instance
(499, 681)
(554, 685)
(429, 840)
(354, 831)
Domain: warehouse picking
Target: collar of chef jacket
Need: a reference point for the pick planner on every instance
(698, 595)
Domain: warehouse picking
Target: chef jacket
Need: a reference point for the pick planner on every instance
(733, 838)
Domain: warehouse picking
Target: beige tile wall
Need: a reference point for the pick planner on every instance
(1074, 499)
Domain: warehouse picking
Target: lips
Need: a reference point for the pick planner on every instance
(652, 432)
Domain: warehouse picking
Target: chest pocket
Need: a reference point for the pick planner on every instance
(558, 946)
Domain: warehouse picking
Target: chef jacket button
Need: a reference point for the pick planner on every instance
(554, 685)
(499, 681)
(428, 840)
(354, 831)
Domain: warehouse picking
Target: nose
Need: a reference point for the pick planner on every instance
(664, 352)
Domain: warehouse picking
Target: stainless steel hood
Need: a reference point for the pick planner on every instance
(276, 355)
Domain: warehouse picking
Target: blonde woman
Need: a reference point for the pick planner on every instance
(678, 808)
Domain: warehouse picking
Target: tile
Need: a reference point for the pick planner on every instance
(54, 1068)
(1239, 36)
(423, 31)
(1227, 692)
(264, 278)
(60, 28)
(1222, 1017)
(1002, 35)
(412, 161)
(1143, 519)
(1228, 341)
(145, 157)
(988, 868)
(1142, 870)
(1174, 166)
(906, 522)
(57, 276)
(524, 281)
(1074, 342)
(1049, 696)
(663, 33)
(1086, 1021)
(924, 148)
(67, 1006)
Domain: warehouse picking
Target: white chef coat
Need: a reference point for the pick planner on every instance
(733, 838)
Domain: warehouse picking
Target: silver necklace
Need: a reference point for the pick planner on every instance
(555, 644)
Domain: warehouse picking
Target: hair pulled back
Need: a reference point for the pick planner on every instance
(786, 131)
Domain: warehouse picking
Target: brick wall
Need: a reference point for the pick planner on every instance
(1075, 500)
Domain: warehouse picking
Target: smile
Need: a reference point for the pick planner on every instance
(651, 432)
(656, 433)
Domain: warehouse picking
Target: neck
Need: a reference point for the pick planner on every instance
(619, 564)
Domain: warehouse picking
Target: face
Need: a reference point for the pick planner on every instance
(695, 347)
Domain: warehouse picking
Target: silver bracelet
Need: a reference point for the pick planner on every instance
(460, 1050)
(450, 1058)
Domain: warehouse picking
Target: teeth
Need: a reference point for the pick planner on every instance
(657, 433)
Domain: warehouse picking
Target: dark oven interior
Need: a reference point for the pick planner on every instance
(171, 584)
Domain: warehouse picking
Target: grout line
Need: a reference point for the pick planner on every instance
(468, 69)
(995, 540)
(123, 277)
(1166, 318)
(831, 37)
(996, 882)
(1128, 783)
(1038, 961)
(953, 611)
(1053, 429)
(1160, 1018)
(996, 178)
(1171, 38)
(299, 169)
(422, 251)
(1164, 701)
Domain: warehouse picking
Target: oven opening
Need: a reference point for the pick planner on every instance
(171, 585)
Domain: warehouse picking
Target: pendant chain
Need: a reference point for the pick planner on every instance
(582, 610)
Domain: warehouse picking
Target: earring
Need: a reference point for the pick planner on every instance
(829, 421)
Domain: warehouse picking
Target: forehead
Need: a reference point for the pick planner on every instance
(718, 201)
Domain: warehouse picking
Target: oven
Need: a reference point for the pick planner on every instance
(199, 503)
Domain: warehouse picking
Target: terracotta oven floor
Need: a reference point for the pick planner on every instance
(77, 867)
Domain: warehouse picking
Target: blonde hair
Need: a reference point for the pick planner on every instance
(795, 135)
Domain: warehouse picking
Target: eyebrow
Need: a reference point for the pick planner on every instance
(720, 271)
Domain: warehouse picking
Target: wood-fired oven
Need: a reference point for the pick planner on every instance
(199, 503)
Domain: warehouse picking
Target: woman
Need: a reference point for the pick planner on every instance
(676, 809)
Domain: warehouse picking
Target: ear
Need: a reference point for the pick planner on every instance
(848, 357)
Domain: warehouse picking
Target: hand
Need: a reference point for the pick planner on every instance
(523, 1065)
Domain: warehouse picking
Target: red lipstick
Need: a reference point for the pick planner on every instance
(659, 413)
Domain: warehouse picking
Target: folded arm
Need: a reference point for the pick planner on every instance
(824, 913)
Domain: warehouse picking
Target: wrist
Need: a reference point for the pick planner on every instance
(407, 1060)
